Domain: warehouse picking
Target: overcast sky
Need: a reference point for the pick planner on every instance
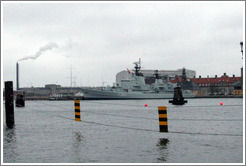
(101, 39)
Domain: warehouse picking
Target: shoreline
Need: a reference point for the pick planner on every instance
(81, 98)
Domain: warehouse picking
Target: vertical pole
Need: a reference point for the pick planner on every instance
(162, 111)
(9, 105)
(242, 79)
(241, 44)
(17, 76)
(77, 110)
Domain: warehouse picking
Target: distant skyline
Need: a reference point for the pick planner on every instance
(100, 39)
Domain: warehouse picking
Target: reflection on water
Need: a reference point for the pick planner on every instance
(78, 141)
(78, 137)
(162, 145)
(9, 144)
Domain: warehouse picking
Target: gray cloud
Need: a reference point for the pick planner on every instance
(101, 39)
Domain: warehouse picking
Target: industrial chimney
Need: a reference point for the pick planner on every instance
(17, 76)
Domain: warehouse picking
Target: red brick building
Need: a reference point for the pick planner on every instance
(223, 85)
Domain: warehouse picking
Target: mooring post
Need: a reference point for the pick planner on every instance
(77, 110)
(162, 111)
(9, 104)
(24, 95)
(20, 101)
(178, 98)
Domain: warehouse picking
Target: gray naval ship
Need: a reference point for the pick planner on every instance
(135, 88)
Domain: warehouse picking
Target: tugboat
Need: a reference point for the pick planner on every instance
(178, 98)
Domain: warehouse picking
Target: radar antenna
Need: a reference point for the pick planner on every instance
(156, 74)
(139, 62)
(138, 67)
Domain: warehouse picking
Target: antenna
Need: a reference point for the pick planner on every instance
(71, 75)
(74, 81)
(80, 82)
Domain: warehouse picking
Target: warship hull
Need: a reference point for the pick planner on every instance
(95, 94)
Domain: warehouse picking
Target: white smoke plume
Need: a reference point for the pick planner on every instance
(40, 51)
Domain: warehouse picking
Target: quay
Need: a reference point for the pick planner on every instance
(82, 97)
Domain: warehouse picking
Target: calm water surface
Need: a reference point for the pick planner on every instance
(124, 131)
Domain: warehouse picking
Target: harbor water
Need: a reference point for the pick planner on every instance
(125, 131)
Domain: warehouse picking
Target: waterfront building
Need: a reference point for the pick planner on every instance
(50, 91)
(223, 85)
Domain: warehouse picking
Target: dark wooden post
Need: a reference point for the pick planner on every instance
(20, 101)
(9, 104)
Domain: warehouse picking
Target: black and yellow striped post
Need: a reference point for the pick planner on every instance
(77, 110)
(162, 110)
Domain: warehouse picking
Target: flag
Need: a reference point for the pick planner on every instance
(128, 71)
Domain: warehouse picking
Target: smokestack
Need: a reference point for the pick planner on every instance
(17, 76)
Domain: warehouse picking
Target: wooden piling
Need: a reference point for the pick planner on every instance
(20, 101)
(9, 104)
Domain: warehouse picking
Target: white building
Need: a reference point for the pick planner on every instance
(166, 74)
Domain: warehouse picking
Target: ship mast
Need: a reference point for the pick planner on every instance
(157, 76)
(139, 62)
(137, 68)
